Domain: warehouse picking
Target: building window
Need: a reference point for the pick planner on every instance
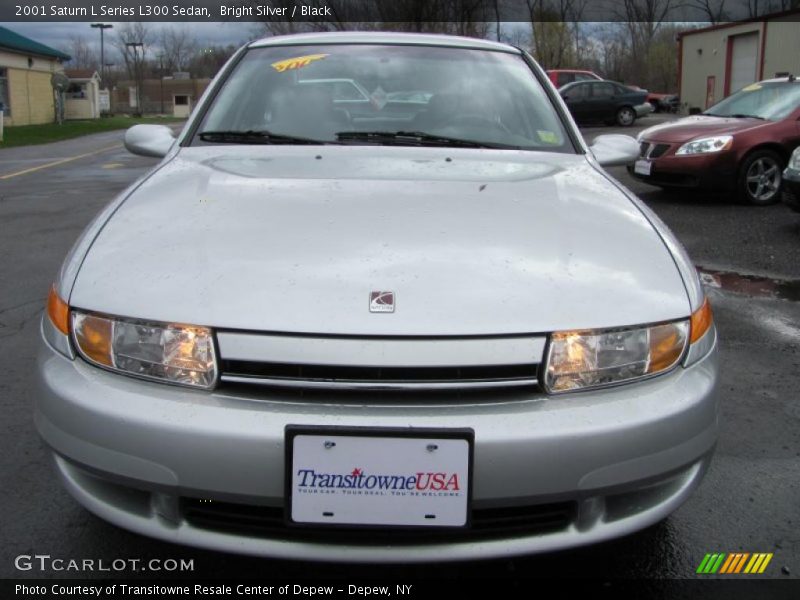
(182, 100)
(4, 95)
(76, 90)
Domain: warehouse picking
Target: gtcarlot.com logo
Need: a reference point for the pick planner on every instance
(734, 563)
(45, 562)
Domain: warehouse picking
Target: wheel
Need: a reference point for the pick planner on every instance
(760, 178)
(626, 116)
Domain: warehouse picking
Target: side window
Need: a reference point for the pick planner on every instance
(4, 106)
(344, 90)
(603, 90)
(578, 92)
(584, 77)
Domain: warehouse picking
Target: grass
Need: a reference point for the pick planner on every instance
(26, 135)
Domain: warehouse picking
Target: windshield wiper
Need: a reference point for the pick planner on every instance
(252, 136)
(743, 116)
(734, 116)
(416, 138)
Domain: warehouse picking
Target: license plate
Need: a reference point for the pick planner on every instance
(642, 167)
(379, 477)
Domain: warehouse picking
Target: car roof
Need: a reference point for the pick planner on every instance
(571, 71)
(372, 37)
(787, 79)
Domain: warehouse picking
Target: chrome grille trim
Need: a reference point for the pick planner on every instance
(345, 384)
(381, 352)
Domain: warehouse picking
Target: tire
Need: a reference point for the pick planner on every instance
(626, 116)
(760, 178)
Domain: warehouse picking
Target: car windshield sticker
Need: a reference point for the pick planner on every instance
(378, 98)
(751, 88)
(548, 137)
(296, 63)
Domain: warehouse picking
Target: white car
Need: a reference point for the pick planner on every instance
(311, 334)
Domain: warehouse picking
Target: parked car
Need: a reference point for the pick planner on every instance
(670, 103)
(663, 102)
(791, 179)
(740, 145)
(605, 101)
(446, 338)
(561, 77)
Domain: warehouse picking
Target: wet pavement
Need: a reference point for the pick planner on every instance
(751, 285)
(749, 500)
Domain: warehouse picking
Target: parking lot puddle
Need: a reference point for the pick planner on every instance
(751, 285)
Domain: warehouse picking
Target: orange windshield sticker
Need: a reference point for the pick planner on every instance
(296, 63)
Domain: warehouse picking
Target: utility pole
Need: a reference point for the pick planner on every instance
(137, 73)
(161, 78)
(102, 27)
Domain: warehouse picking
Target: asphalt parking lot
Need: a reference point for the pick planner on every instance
(748, 502)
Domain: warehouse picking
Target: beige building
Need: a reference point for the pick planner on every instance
(26, 71)
(171, 95)
(716, 61)
(82, 97)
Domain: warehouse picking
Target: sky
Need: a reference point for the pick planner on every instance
(57, 35)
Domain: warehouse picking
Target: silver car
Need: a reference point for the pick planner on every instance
(432, 332)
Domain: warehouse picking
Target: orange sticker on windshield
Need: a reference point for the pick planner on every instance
(751, 88)
(296, 63)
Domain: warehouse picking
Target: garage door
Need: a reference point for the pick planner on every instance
(743, 60)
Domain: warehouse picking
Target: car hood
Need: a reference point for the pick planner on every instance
(690, 128)
(294, 239)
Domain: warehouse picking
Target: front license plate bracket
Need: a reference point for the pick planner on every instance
(357, 477)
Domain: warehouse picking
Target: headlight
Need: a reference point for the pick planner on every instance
(794, 161)
(180, 354)
(706, 145)
(586, 359)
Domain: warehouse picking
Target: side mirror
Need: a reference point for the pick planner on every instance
(615, 150)
(149, 140)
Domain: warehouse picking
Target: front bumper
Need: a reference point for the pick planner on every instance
(713, 172)
(133, 451)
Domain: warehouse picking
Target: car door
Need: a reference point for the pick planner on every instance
(576, 97)
(602, 103)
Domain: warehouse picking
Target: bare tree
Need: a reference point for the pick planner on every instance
(83, 55)
(131, 41)
(178, 46)
(713, 10)
(132, 33)
(555, 30)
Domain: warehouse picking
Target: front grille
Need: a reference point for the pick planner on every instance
(658, 150)
(648, 150)
(269, 521)
(300, 375)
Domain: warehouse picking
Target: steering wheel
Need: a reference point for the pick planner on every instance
(476, 119)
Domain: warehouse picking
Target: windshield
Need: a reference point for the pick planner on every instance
(340, 93)
(772, 101)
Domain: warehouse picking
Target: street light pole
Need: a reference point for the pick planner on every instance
(161, 77)
(102, 27)
(137, 73)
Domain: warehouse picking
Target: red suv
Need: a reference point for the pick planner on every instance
(739, 145)
(561, 77)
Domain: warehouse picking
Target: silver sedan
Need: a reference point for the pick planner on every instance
(422, 325)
